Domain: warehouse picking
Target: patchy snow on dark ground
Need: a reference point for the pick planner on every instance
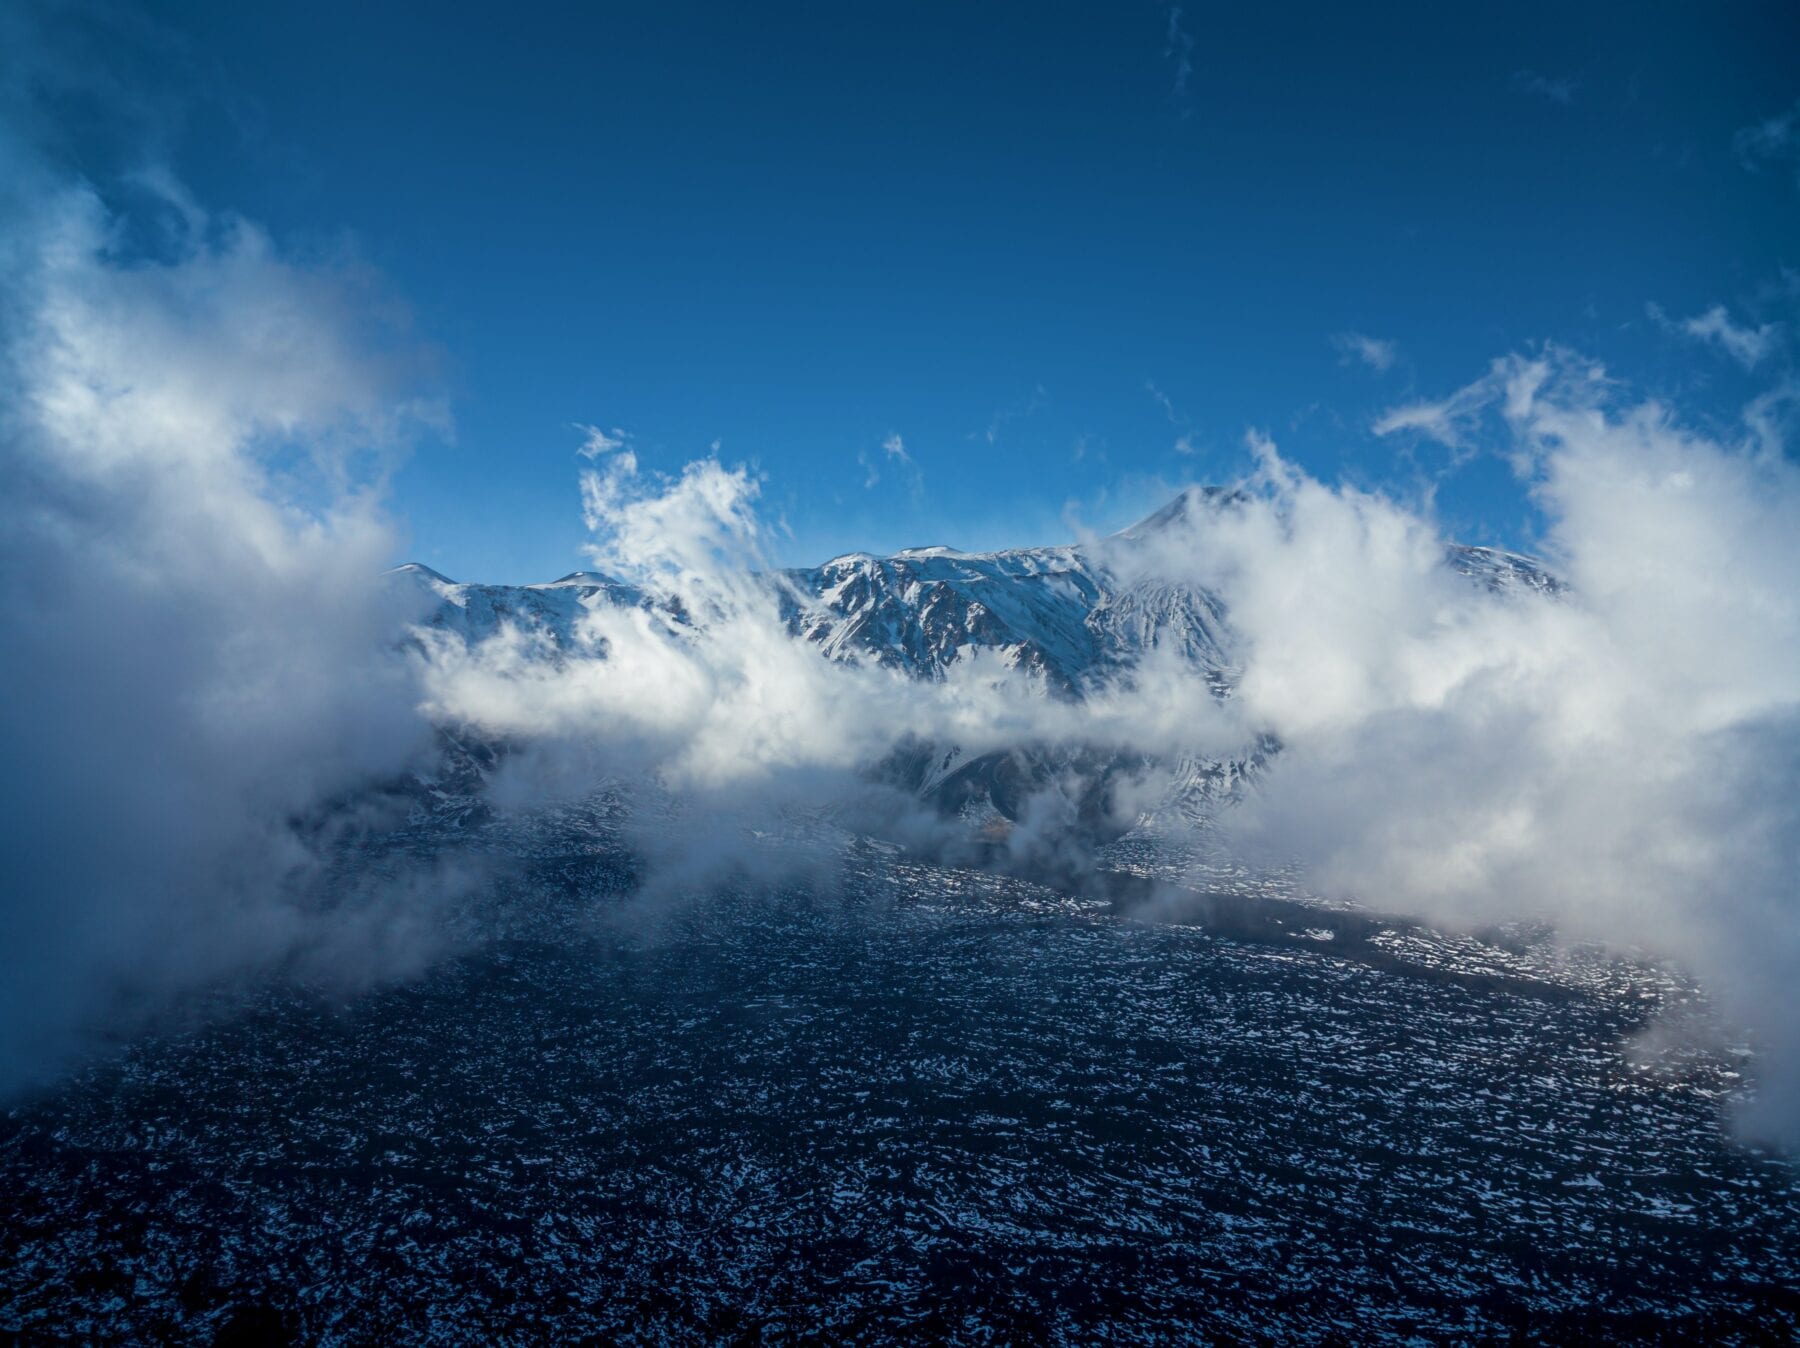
(913, 1102)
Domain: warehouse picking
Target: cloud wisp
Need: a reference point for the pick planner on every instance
(1774, 140)
(1015, 411)
(1748, 346)
(1178, 50)
(1377, 353)
(1552, 89)
(1184, 439)
(894, 455)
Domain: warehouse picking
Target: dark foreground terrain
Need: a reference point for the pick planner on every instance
(913, 1102)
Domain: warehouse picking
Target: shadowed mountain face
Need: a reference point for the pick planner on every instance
(1074, 618)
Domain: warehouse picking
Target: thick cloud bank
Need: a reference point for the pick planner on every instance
(1623, 759)
(196, 659)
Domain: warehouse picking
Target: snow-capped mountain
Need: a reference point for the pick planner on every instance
(476, 611)
(1072, 615)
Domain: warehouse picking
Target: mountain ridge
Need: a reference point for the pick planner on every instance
(1068, 614)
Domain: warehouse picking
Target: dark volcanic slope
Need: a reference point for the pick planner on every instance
(924, 1102)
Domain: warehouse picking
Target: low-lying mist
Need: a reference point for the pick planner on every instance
(206, 678)
(196, 662)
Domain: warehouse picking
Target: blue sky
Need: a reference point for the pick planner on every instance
(1066, 254)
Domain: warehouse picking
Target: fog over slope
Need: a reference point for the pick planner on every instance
(1614, 752)
(206, 677)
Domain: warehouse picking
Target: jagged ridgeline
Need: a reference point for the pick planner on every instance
(1075, 619)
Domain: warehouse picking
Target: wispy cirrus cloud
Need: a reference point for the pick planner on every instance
(1178, 49)
(1443, 419)
(1773, 140)
(1378, 353)
(1453, 421)
(1184, 441)
(893, 454)
(597, 442)
(1017, 411)
(1552, 89)
(1747, 345)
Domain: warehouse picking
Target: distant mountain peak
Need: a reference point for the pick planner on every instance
(578, 578)
(929, 550)
(421, 570)
(1190, 503)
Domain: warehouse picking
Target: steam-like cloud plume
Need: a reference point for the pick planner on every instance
(1621, 756)
(198, 662)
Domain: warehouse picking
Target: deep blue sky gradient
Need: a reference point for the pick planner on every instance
(989, 228)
